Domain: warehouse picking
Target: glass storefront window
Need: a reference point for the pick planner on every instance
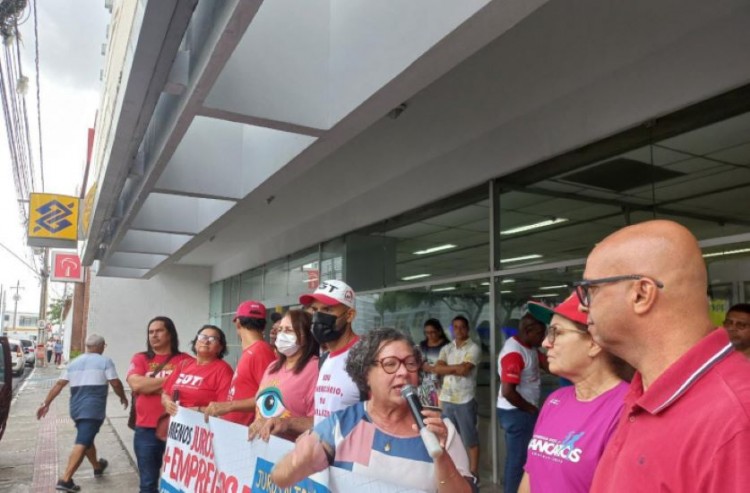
(304, 274)
(251, 285)
(332, 259)
(276, 282)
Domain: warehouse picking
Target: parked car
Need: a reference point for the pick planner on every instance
(17, 358)
(6, 383)
(28, 351)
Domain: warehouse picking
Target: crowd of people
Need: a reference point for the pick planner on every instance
(658, 399)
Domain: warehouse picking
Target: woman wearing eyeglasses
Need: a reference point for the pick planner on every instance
(203, 380)
(575, 422)
(378, 438)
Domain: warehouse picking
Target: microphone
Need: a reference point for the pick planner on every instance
(428, 437)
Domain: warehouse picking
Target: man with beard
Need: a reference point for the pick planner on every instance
(686, 421)
(332, 308)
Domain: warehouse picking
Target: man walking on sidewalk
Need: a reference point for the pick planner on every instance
(88, 375)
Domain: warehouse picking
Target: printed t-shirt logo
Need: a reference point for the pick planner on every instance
(565, 450)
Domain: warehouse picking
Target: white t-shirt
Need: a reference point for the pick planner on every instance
(523, 371)
(460, 390)
(335, 389)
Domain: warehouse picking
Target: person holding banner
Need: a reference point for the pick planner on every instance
(203, 380)
(287, 389)
(146, 375)
(378, 438)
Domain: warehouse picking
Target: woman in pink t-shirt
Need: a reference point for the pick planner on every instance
(206, 379)
(287, 388)
(575, 422)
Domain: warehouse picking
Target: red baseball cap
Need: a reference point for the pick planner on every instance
(251, 309)
(331, 293)
(567, 309)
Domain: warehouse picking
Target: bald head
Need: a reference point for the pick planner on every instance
(664, 250)
(666, 310)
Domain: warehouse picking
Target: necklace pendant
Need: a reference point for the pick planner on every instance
(387, 447)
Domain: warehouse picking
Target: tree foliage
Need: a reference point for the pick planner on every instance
(57, 309)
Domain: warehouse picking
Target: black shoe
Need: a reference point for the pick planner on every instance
(102, 466)
(67, 486)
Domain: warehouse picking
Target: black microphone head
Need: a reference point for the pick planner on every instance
(407, 390)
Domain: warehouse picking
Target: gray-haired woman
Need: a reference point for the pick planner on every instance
(378, 438)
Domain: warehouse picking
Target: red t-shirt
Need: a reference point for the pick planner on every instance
(148, 407)
(250, 368)
(200, 384)
(689, 431)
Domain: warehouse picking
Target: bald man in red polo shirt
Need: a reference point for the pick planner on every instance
(686, 422)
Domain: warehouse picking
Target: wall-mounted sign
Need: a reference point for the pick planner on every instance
(53, 220)
(66, 267)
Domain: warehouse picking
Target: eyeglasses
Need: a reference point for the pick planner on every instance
(737, 324)
(583, 288)
(391, 364)
(208, 339)
(554, 330)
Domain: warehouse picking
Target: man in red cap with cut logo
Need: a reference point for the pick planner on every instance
(332, 306)
(257, 354)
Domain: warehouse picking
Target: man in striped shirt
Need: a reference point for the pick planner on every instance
(89, 376)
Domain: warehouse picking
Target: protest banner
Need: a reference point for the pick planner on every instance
(216, 457)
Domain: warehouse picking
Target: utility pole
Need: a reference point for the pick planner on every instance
(43, 276)
(16, 297)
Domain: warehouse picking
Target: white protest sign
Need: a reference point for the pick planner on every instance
(217, 458)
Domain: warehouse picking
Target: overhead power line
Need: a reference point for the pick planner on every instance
(38, 98)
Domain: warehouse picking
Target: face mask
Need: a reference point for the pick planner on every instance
(286, 343)
(327, 327)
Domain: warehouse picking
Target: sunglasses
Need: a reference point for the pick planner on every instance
(208, 339)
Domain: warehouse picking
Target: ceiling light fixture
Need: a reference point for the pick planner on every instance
(545, 295)
(554, 287)
(518, 259)
(507, 281)
(529, 227)
(415, 276)
(505, 292)
(726, 252)
(438, 248)
(449, 288)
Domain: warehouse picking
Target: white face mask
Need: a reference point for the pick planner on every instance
(286, 343)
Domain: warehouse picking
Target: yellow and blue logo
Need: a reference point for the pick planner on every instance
(53, 219)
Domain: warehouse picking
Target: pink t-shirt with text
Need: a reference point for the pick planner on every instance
(569, 438)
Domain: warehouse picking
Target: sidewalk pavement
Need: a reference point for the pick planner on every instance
(34, 453)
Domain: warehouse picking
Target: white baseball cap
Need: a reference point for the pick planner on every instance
(331, 293)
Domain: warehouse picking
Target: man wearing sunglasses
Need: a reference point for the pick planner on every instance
(686, 421)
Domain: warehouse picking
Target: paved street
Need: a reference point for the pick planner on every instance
(33, 453)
